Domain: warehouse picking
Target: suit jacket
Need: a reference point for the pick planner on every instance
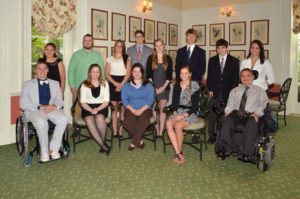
(223, 83)
(29, 100)
(132, 52)
(197, 62)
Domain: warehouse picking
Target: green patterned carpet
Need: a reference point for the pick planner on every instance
(149, 174)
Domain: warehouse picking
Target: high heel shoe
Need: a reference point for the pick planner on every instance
(179, 158)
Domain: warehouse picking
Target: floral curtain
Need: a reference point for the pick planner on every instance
(54, 17)
(296, 16)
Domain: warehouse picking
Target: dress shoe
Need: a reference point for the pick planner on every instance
(55, 155)
(44, 158)
(130, 147)
(142, 146)
(221, 156)
(211, 141)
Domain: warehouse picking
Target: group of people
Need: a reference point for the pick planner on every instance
(138, 78)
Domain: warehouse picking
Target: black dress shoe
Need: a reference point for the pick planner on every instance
(130, 148)
(211, 141)
(108, 151)
(142, 146)
(221, 156)
(102, 150)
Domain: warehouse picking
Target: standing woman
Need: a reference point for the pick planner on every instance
(184, 106)
(56, 66)
(117, 72)
(94, 99)
(137, 98)
(256, 60)
(159, 71)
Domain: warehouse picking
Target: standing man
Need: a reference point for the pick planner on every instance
(41, 99)
(81, 61)
(139, 52)
(191, 55)
(222, 77)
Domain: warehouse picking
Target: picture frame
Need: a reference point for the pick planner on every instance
(201, 34)
(118, 28)
(162, 31)
(239, 54)
(173, 34)
(216, 32)
(260, 31)
(267, 54)
(135, 23)
(173, 54)
(237, 33)
(212, 53)
(99, 24)
(102, 50)
(149, 30)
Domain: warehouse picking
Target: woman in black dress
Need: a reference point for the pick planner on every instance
(56, 66)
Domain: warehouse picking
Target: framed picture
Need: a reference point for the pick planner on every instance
(239, 54)
(135, 23)
(212, 53)
(118, 28)
(102, 50)
(149, 29)
(112, 51)
(266, 54)
(216, 32)
(201, 34)
(172, 54)
(173, 34)
(260, 30)
(99, 24)
(162, 31)
(237, 33)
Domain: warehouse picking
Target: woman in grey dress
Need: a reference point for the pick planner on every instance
(159, 71)
(185, 103)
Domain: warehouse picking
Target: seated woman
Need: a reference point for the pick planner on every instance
(94, 99)
(184, 106)
(137, 98)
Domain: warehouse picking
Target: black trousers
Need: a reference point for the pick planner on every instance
(249, 134)
(213, 116)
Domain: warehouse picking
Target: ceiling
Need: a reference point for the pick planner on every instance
(196, 4)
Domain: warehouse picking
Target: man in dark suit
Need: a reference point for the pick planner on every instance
(191, 55)
(222, 77)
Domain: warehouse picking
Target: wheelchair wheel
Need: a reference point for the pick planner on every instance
(262, 166)
(21, 137)
(269, 156)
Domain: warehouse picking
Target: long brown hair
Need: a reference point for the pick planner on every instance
(262, 56)
(190, 82)
(124, 55)
(88, 81)
(155, 58)
(53, 46)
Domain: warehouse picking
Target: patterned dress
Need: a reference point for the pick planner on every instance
(185, 101)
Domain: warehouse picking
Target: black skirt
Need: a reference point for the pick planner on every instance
(85, 113)
(114, 95)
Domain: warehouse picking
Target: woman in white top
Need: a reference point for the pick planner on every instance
(94, 99)
(117, 72)
(256, 60)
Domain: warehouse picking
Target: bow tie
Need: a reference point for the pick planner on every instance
(44, 82)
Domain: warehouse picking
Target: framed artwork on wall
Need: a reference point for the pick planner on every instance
(201, 34)
(216, 32)
(237, 33)
(173, 34)
(149, 29)
(266, 54)
(99, 24)
(162, 31)
(102, 50)
(135, 23)
(239, 54)
(118, 28)
(260, 30)
(172, 54)
(212, 53)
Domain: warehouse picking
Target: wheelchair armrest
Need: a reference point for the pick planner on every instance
(273, 94)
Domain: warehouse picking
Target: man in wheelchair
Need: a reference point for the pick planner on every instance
(41, 100)
(245, 106)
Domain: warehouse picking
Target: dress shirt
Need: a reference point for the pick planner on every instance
(220, 58)
(86, 95)
(191, 48)
(139, 46)
(257, 99)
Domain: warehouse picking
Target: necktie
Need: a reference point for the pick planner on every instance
(222, 65)
(243, 101)
(139, 54)
(44, 82)
(189, 53)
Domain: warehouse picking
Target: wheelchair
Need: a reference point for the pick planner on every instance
(25, 132)
(264, 154)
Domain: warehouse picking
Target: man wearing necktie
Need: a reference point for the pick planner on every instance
(191, 55)
(41, 100)
(246, 104)
(222, 77)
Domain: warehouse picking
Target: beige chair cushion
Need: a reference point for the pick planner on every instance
(199, 124)
(274, 105)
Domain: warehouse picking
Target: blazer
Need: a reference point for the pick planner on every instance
(197, 62)
(223, 83)
(169, 71)
(29, 100)
(132, 52)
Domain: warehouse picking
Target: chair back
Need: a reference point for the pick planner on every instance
(76, 107)
(284, 91)
(203, 107)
